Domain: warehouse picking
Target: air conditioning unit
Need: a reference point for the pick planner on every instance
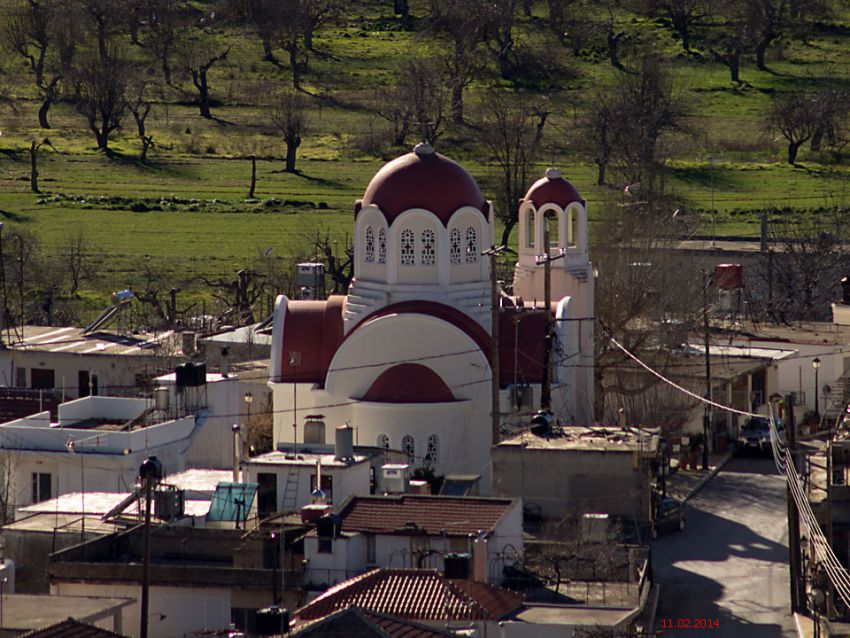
(395, 478)
(169, 504)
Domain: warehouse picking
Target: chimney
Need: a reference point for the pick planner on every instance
(479, 558)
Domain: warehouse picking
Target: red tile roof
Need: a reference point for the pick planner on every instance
(433, 515)
(418, 594)
(355, 622)
(71, 629)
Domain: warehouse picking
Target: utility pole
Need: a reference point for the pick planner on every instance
(546, 260)
(798, 590)
(495, 303)
(706, 419)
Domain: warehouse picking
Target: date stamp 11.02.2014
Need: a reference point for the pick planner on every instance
(688, 623)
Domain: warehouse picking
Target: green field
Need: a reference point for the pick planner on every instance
(187, 212)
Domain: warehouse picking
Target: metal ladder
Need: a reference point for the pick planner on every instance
(290, 490)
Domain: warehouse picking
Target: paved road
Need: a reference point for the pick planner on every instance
(730, 565)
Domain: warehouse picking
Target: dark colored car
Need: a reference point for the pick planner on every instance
(754, 436)
(669, 517)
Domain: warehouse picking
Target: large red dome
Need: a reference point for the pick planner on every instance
(423, 179)
(553, 189)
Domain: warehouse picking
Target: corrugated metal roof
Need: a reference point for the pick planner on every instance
(418, 594)
(73, 340)
(453, 516)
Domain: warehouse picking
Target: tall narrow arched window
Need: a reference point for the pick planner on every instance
(471, 245)
(455, 249)
(382, 245)
(529, 229)
(370, 245)
(432, 456)
(408, 446)
(383, 441)
(428, 256)
(408, 253)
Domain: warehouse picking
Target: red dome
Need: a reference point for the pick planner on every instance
(423, 179)
(409, 383)
(553, 189)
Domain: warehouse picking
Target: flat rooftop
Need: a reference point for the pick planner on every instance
(279, 457)
(70, 339)
(24, 612)
(595, 438)
(812, 333)
(99, 503)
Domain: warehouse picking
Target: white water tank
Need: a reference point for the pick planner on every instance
(161, 398)
(395, 478)
(344, 443)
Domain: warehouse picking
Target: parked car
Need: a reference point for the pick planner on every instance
(754, 436)
(669, 517)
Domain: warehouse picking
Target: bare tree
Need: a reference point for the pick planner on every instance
(199, 56)
(45, 33)
(415, 102)
(513, 133)
(165, 31)
(75, 258)
(459, 22)
(101, 86)
(140, 106)
(796, 117)
(730, 36)
(35, 147)
(290, 121)
(683, 16)
(239, 295)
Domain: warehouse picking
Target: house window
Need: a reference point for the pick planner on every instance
(408, 255)
(370, 548)
(432, 455)
(471, 245)
(454, 240)
(41, 487)
(458, 545)
(428, 254)
(326, 546)
(370, 245)
(408, 446)
(383, 441)
(382, 245)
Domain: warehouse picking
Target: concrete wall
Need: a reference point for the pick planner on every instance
(186, 609)
(559, 480)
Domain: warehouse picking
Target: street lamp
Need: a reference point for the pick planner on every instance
(816, 366)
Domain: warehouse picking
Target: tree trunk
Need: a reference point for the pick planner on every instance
(204, 95)
(290, 156)
(253, 178)
(49, 95)
(295, 66)
(102, 139)
(686, 40)
(457, 101)
(506, 233)
(600, 172)
(817, 138)
(760, 51)
(34, 168)
(793, 147)
(734, 64)
(147, 142)
(613, 49)
(308, 38)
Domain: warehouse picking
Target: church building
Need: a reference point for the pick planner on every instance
(404, 357)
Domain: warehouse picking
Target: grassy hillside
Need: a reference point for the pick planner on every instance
(187, 209)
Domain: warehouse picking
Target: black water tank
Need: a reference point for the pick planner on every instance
(542, 423)
(272, 621)
(327, 526)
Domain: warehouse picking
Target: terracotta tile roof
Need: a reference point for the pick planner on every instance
(450, 515)
(71, 629)
(356, 622)
(418, 594)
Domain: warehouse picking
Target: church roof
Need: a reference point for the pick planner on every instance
(553, 189)
(423, 179)
(409, 383)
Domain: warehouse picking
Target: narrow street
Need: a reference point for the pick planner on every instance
(727, 573)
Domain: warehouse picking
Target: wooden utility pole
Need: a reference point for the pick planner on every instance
(495, 304)
(798, 590)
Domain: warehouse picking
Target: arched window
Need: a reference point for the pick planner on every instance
(383, 441)
(432, 456)
(428, 255)
(382, 245)
(456, 253)
(370, 245)
(408, 254)
(408, 446)
(529, 229)
(471, 245)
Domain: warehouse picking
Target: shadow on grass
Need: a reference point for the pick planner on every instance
(15, 217)
(703, 175)
(321, 181)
